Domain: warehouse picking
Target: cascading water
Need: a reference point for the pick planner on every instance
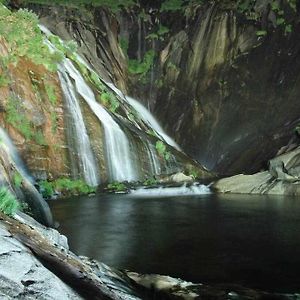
(195, 189)
(85, 158)
(10, 148)
(145, 115)
(119, 155)
(37, 204)
(120, 160)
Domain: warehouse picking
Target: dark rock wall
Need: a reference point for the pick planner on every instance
(229, 97)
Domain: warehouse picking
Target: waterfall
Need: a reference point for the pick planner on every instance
(38, 206)
(119, 155)
(145, 115)
(87, 162)
(10, 148)
(152, 157)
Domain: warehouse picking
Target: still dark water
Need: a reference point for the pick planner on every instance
(248, 240)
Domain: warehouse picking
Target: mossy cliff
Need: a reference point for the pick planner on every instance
(34, 111)
(221, 76)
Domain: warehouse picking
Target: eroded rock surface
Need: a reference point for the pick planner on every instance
(22, 276)
(282, 178)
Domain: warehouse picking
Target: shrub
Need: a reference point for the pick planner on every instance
(117, 187)
(39, 138)
(109, 100)
(143, 67)
(150, 181)
(9, 205)
(162, 150)
(17, 118)
(24, 38)
(54, 120)
(50, 90)
(65, 186)
(17, 179)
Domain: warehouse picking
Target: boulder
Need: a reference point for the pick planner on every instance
(181, 178)
(282, 178)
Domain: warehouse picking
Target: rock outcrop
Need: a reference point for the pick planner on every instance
(282, 178)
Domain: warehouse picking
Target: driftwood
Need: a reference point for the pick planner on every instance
(64, 264)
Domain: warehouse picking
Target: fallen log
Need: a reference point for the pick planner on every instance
(62, 263)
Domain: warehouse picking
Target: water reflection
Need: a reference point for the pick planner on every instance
(250, 240)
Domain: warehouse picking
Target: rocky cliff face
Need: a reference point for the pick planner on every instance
(225, 82)
(35, 110)
(221, 78)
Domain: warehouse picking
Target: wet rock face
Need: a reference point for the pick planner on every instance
(35, 124)
(96, 33)
(229, 98)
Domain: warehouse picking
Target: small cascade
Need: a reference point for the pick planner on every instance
(145, 115)
(10, 148)
(11, 162)
(184, 190)
(85, 158)
(118, 152)
(153, 158)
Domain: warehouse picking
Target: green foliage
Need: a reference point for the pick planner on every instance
(96, 81)
(117, 187)
(4, 81)
(114, 5)
(24, 38)
(16, 117)
(54, 120)
(124, 44)
(162, 150)
(280, 12)
(65, 186)
(159, 83)
(64, 48)
(39, 138)
(159, 34)
(151, 132)
(293, 4)
(171, 5)
(46, 188)
(143, 67)
(51, 93)
(109, 100)
(150, 181)
(261, 33)
(9, 205)
(17, 179)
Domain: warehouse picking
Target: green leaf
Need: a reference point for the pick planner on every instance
(261, 33)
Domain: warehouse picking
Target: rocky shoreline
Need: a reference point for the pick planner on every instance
(281, 178)
(36, 263)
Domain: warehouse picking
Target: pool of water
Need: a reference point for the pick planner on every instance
(249, 240)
